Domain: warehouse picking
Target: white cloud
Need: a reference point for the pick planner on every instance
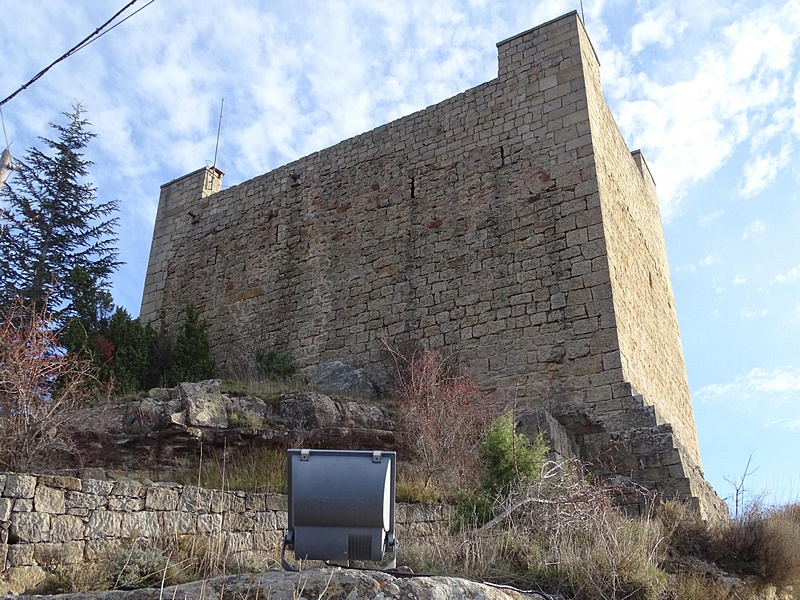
(784, 423)
(709, 218)
(769, 395)
(739, 280)
(790, 276)
(690, 118)
(708, 260)
(749, 313)
(760, 171)
(658, 26)
(754, 229)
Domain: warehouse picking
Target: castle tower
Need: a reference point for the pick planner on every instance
(509, 225)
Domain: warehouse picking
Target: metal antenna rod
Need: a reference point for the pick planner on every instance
(582, 17)
(219, 128)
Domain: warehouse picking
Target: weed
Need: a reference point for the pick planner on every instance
(413, 488)
(693, 586)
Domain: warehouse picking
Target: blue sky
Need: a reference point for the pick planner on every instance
(710, 92)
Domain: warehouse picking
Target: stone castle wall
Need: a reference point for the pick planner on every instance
(509, 225)
(49, 522)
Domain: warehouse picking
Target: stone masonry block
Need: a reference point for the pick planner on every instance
(72, 484)
(66, 528)
(5, 508)
(30, 527)
(140, 524)
(49, 500)
(161, 498)
(20, 555)
(20, 486)
(22, 505)
(97, 487)
(79, 500)
(209, 523)
(128, 489)
(58, 554)
(177, 522)
(195, 499)
(125, 504)
(104, 524)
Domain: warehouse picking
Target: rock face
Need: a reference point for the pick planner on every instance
(309, 410)
(169, 426)
(336, 377)
(328, 584)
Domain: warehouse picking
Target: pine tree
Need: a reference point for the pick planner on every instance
(57, 242)
(191, 356)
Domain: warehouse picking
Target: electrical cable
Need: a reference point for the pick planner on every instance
(96, 34)
(115, 25)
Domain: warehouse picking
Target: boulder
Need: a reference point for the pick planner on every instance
(337, 377)
(203, 404)
(308, 410)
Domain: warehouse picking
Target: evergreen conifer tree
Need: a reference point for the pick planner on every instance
(191, 356)
(57, 242)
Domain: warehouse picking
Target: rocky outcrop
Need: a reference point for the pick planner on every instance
(328, 583)
(311, 410)
(168, 427)
(337, 377)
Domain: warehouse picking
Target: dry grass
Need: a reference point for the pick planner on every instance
(168, 560)
(413, 487)
(262, 470)
(693, 586)
(764, 543)
(558, 533)
(761, 543)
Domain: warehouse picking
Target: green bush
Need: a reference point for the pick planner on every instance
(508, 456)
(275, 365)
(137, 567)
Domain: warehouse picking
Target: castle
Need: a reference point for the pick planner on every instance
(509, 225)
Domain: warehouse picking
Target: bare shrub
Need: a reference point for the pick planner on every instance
(39, 384)
(764, 543)
(558, 533)
(442, 416)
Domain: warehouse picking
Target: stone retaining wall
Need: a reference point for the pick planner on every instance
(50, 521)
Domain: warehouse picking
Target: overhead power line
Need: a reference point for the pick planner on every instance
(97, 33)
